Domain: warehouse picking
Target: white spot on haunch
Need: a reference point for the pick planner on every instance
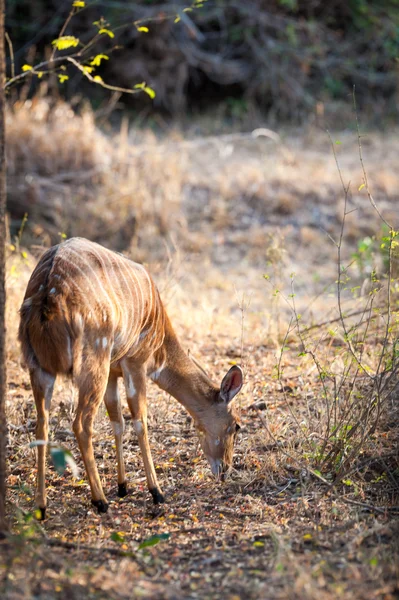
(41, 288)
(155, 375)
(143, 334)
(118, 428)
(69, 352)
(79, 321)
(217, 442)
(105, 342)
(131, 390)
(47, 381)
(97, 342)
(52, 291)
(105, 317)
(138, 427)
(27, 302)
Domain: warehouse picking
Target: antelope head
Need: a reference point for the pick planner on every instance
(218, 429)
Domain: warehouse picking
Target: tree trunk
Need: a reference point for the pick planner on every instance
(3, 425)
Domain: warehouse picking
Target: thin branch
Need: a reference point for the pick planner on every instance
(90, 77)
(370, 507)
(36, 69)
(352, 314)
(61, 33)
(365, 178)
(294, 460)
(11, 50)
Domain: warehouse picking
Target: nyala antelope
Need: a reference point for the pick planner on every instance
(95, 315)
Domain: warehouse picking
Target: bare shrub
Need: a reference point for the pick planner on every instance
(353, 357)
(71, 178)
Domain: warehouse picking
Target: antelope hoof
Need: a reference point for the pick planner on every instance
(157, 497)
(100, 505)
(122, 489)
(42, 513)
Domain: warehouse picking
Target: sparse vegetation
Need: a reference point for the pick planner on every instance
(309, 509)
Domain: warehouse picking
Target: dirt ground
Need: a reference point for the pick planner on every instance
(274, 529)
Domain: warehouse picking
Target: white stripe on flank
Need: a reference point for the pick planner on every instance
(135, 321)
(151, 298)
(100, 286)
(110, 285)
(83, 294)
(136, 285)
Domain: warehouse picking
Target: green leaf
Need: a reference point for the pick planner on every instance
(26, 68)
(78, 4)
(143, 29)
(118, 536)
(58, 458)
(154, 540)
(64, 42)
(61, 458)
(143, 86)
(150, 92)
(96, 62)
(374, 561)
(107, 31)
(63, 78)
(361, 187)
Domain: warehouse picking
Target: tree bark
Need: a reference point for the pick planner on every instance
(3, 424)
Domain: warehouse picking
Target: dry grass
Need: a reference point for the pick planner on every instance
(70, 178)
(211, 226)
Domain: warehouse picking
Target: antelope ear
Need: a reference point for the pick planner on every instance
(231, 384)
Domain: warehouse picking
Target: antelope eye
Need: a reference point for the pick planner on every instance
(237, 427)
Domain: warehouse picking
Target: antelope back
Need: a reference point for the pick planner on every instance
(83, 296)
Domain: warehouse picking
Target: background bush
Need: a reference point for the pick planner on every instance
(286, 58)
